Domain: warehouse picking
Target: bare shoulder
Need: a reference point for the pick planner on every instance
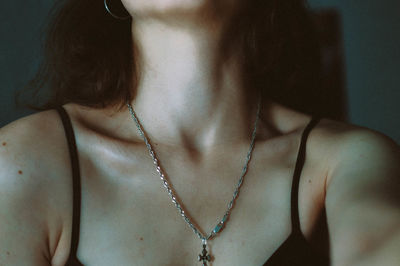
(353, 157)
(362, 160)
(334, 146)
(349, 144)
(362, 184)
(32, 143)
(34, 184)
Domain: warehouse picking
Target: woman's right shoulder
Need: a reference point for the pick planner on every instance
(33, 142)
(35, 186)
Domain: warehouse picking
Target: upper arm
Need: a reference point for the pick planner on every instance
(27, 210)
(22, 228)
(362, 200)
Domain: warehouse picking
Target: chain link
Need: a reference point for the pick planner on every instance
(172, 194)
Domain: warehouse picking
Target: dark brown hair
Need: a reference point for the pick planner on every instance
(90, 58)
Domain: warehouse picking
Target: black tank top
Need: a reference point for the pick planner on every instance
(295, 251)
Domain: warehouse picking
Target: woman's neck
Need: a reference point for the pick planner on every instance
(178, 100)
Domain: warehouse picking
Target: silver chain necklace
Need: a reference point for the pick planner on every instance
(204, 257)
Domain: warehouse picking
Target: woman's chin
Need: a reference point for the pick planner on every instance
(147, 7)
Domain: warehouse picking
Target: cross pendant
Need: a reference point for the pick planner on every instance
(204, 256)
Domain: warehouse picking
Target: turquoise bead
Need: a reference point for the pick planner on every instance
(218, 228)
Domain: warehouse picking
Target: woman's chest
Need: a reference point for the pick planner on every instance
(147, 229)
(128, 218)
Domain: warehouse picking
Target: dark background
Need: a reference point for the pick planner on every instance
(370, 54)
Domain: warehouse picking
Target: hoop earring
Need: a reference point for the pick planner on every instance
(113, 15)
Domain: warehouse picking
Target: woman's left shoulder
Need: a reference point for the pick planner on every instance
(345, 141)
(361, 192)
(348, 146)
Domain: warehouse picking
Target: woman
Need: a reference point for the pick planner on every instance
(198, 78)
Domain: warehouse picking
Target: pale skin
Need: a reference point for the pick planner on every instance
(127, 217)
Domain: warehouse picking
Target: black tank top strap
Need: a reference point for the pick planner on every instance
(76, 182)
(297, 172)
